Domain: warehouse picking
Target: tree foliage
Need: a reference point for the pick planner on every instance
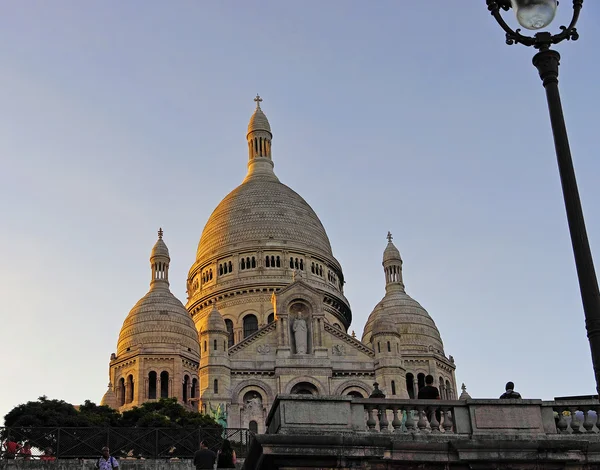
(57, 413)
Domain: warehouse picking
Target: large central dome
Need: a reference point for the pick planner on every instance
(258, 239)
(262, 210)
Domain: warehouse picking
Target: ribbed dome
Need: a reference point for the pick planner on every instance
(417, 329)
(261, 210)
(383, 324)
(259, 122)
(159, 323)
(215, 322)
(110, 398)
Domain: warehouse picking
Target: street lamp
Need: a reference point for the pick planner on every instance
(534, 15)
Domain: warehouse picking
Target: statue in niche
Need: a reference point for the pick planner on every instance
(254, 403)
(300, 334)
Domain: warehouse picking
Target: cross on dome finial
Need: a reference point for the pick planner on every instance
(258, 99)
(160, 233)
(389, 237)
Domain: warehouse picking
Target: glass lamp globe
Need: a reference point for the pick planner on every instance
(534, 14)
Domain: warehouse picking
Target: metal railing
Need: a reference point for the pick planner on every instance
(141, 443)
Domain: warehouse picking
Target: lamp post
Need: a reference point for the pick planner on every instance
(535, 15)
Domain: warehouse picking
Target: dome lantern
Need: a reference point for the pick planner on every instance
(392, 267)
(259, 144)
(159, 263)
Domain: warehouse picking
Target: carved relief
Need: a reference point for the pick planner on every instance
(263, 349)
(338, 350)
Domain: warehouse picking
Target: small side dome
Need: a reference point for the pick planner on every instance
(160, 248)
(110, 398)
(383, 325)
(258, 121)
(214, 321)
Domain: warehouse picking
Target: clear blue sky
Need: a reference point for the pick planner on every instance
(120, 117)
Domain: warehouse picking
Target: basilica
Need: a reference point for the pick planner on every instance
(266, 314)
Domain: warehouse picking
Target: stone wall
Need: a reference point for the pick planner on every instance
(86, 464)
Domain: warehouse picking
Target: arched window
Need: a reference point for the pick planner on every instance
(186, 383)
(164, 384)
(216, 386)
(272, 261)
(220, 270)
(393, 387)
(267, 262)
(278, 262)
(321, 271)
(296, 263)
(271, 318)
(253, 427)
(355, 394)
(312, 268)
(243, 264)
(230, 267)
(210, 275)
(204, 345)
(421, 380)
(130, 395)
(378, 346)
(410, 385)
(389, 347)
(291, 263)
(449, 392)
(214, 345)
(194, 390)
(250, 325)
(121, 392)
(229, 325)
(248, 263)
(304, 388)
(253, 262)
(152, 385)
(301, 265)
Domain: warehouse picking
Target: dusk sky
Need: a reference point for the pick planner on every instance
(118, 118)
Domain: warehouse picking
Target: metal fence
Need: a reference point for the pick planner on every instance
(148, 443)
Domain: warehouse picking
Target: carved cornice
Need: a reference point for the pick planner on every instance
(268, 373)
(253, 337)
(353, 373)
(349, 339)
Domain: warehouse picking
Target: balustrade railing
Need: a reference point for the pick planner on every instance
(575, 417)
(409, 416)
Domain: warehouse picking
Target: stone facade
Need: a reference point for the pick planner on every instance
(266, 296)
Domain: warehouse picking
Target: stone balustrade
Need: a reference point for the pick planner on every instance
(345, 432)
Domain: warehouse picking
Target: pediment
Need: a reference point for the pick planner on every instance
(260, 345)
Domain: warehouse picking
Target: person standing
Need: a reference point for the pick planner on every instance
(510, 392)
(12, 448)
(204, 458)
(227, 458)
(25, 452)
(107, 461)
(429, 392)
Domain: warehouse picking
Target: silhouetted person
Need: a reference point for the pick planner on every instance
(429, 392)
(510, 391)
(227, 456)
(204, 458)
